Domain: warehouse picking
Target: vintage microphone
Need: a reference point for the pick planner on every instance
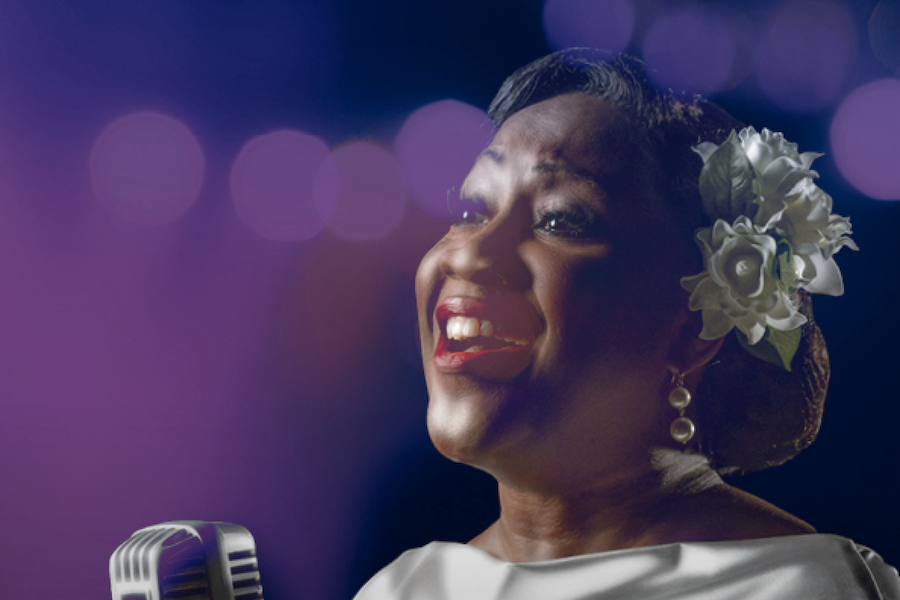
(186, 560)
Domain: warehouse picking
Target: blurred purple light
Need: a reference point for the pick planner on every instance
(689, 51)
(803, 57)
(606, 24)
(436, 147)
(272, 184)
(865, 137)
(372, 196)
(884, 34)
(147, 168)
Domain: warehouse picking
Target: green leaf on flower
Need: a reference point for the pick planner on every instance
(776, 346)
(786, 271)
(726, 182)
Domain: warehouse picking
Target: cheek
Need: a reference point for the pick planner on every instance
(616, 308)
(428, 276)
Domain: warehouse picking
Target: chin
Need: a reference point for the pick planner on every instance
(453, 429)
(450, 448)
(477, 430)
(458, 428)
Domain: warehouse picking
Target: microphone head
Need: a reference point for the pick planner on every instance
(186, 560)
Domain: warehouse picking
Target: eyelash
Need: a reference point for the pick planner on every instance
(577, 223)
(467, 212)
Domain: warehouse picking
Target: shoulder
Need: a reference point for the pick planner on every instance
(418, 573)
(441, 571)
(786, 567)
(727, 513)
(793, 567)
(884, 576)
(389, 580)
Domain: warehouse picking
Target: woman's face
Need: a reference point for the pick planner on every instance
(549, 311)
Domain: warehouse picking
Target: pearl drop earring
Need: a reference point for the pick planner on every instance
(682, 428)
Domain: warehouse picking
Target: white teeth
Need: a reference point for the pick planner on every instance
(463, 328)
(454, 328)
(486, 330)
(470, 327)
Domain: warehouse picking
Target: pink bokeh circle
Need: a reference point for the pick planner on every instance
(690, 51)
(436, 148)
(369, 198)
(865, 139)
(273, 181)
(805, 54)
(604, 24)
(147, 168)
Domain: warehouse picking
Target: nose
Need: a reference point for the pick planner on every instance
(490, 254)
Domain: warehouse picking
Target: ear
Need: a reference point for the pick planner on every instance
(689, 352)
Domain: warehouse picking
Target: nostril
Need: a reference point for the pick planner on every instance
(465, 261)
(500, 277)
(485, 255)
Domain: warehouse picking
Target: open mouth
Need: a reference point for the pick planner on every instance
(490, 339)
(471, 334)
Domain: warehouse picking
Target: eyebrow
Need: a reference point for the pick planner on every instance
(557, 168)
(546, 167)
(492, 154)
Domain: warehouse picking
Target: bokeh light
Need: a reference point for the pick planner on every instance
(371, 198)
(273, 181)
(689, 50)
(865, 138)
(604, 24)
(436, 147)
(884, 34)
(804, 55)
(147, 168)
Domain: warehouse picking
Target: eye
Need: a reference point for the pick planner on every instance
(572, 223)
(467, 211)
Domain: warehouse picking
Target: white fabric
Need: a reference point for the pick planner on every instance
(803, 567)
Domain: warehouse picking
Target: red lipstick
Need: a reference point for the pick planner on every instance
(499, 351)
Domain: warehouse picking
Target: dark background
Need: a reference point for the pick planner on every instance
(192, 369)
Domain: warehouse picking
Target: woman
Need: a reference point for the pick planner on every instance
(567, 318)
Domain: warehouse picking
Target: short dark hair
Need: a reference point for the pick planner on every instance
(753, 414)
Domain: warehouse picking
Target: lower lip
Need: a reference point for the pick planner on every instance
(502, 364)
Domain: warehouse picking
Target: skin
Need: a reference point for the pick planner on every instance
(577, 439)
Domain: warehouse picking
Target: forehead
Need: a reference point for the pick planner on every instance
(583, 131)
(584, 136)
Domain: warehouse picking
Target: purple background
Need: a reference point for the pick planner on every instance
(163, 355)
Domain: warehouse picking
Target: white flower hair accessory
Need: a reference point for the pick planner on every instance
(773, 234)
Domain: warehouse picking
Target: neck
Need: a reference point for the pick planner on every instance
(638, 507)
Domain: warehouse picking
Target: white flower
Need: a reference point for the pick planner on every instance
(778, 168)
(815, 235)
(751, 174)
(782, 239)
(741, 286)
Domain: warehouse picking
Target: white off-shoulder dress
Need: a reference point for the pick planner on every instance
(802, 567)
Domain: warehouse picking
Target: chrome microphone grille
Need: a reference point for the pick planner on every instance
(245, 575)
(186, 560)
